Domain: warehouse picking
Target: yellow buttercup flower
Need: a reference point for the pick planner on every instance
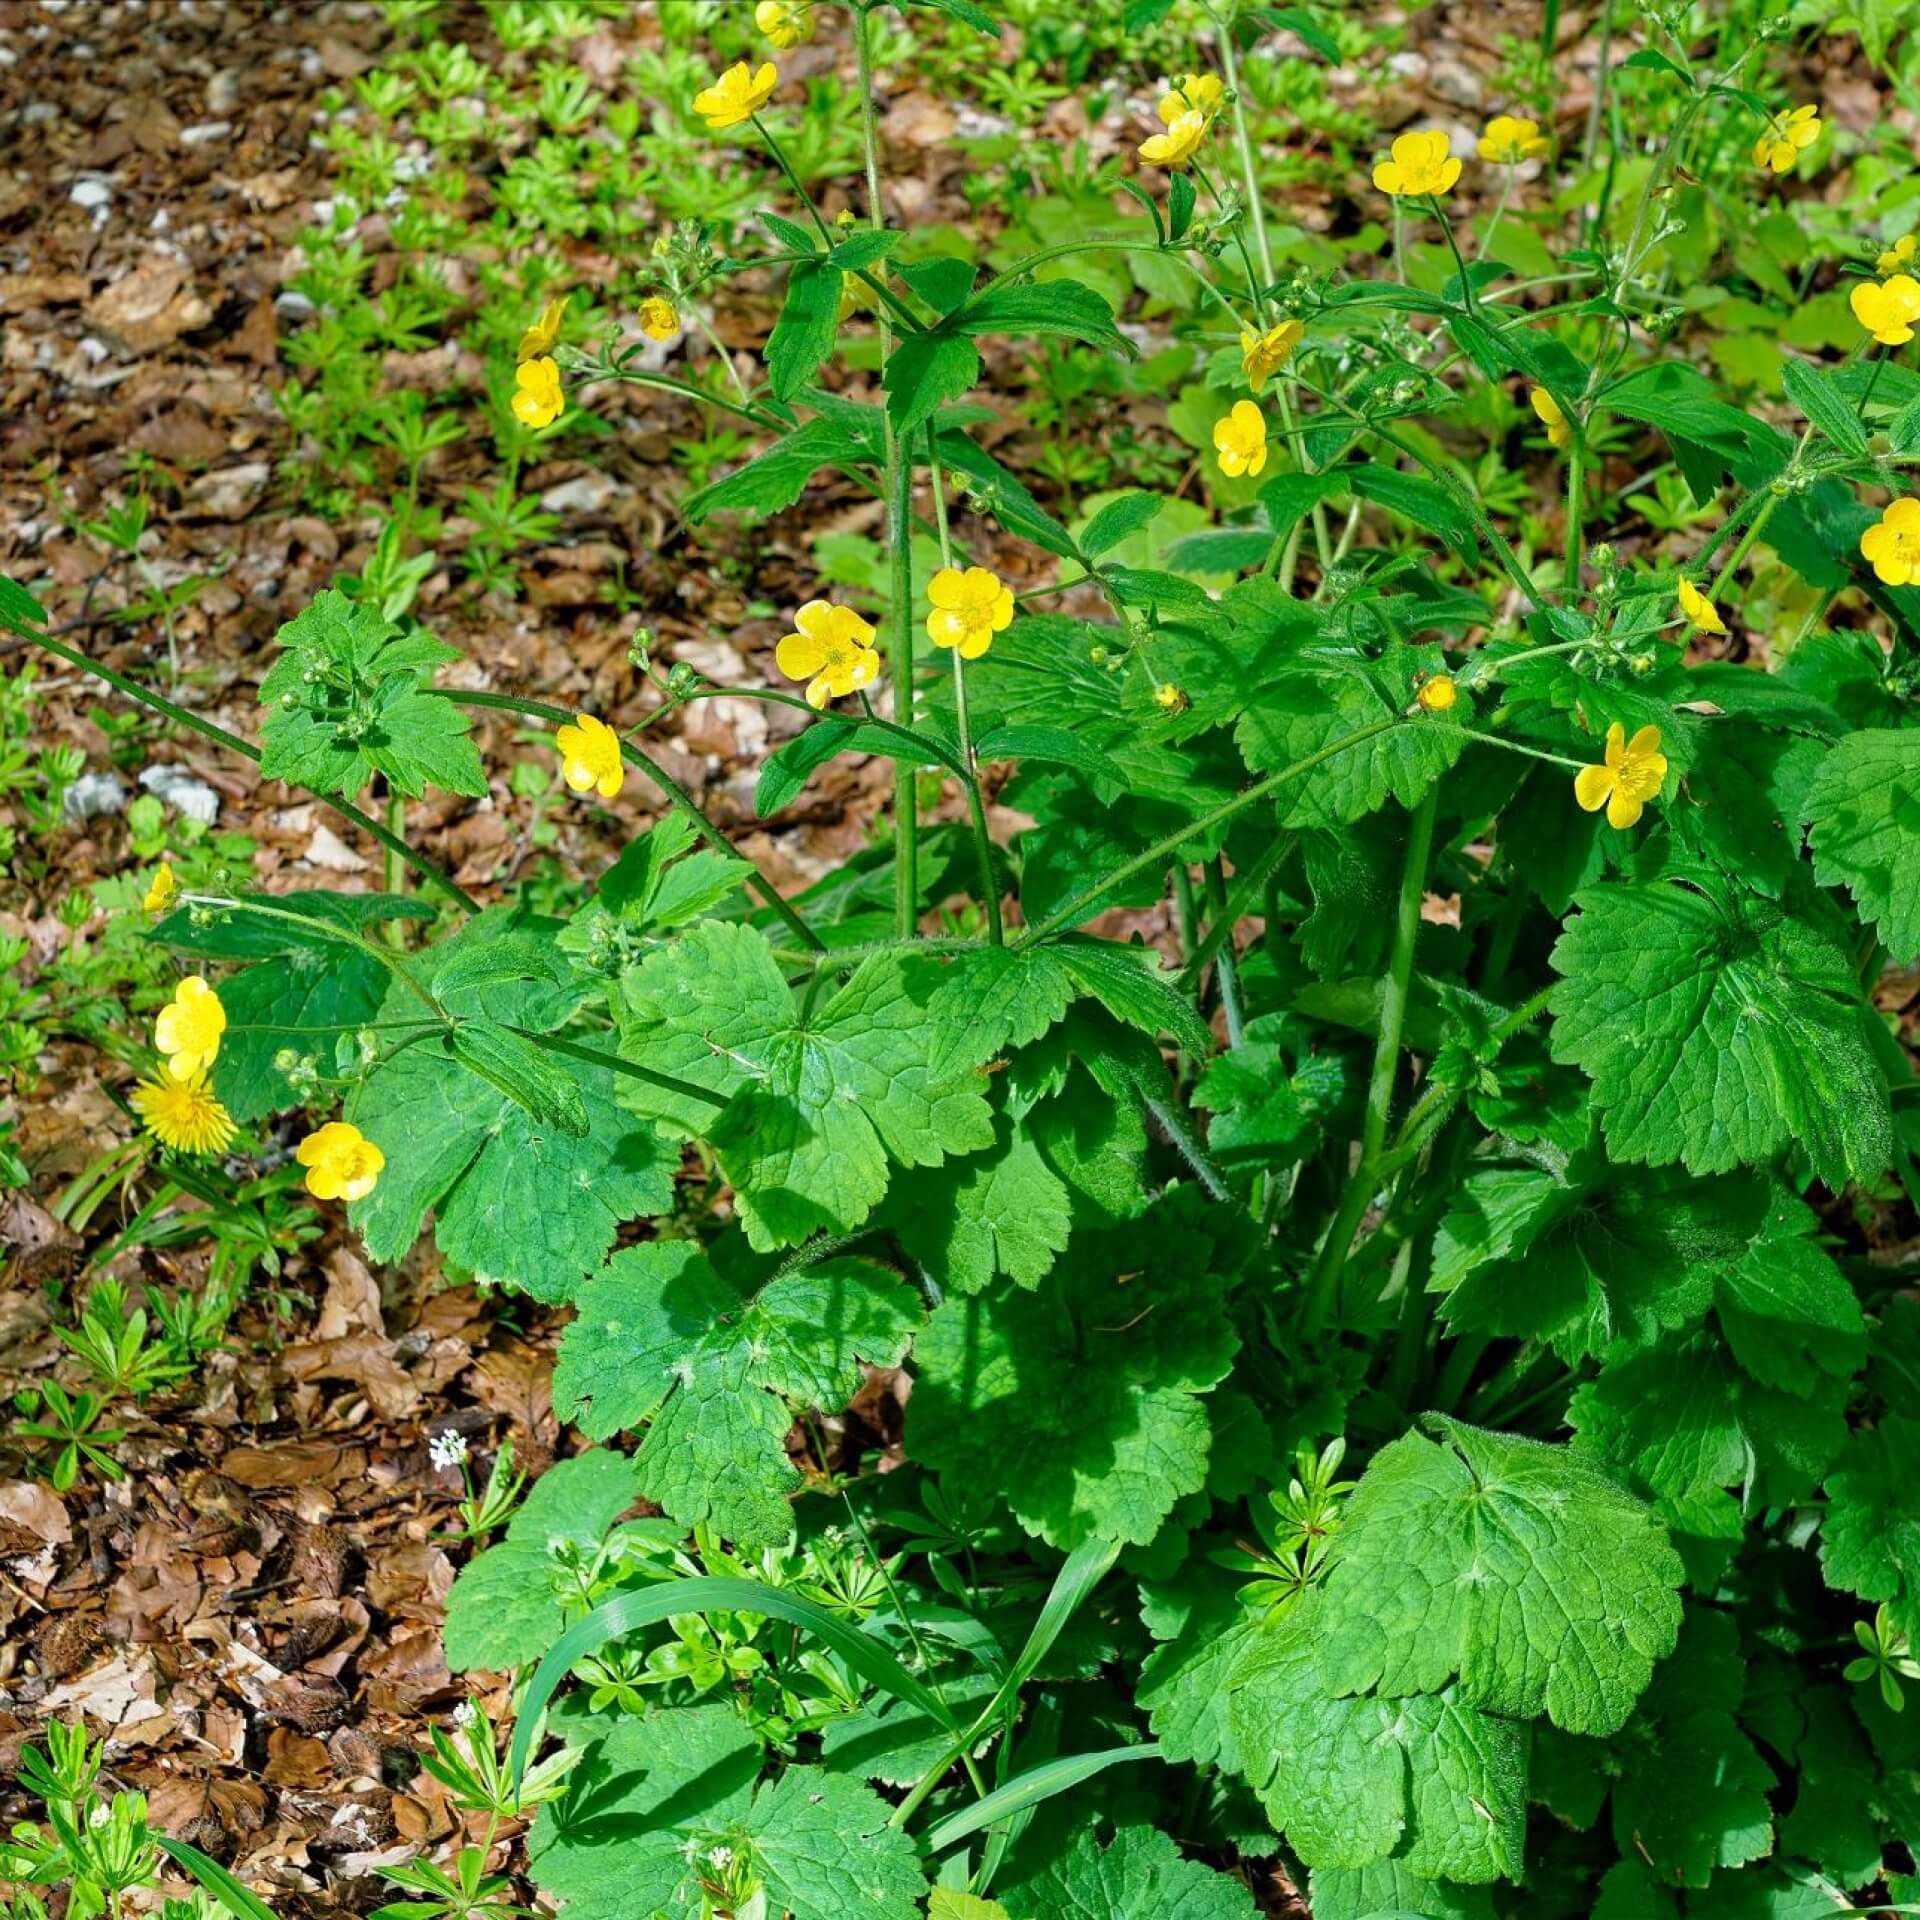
(785, 22)
(189, 1027)
(1507, 141)
(1177, 146)
(1559, 428)
(341, 1162)
(1199, 93)
(1699, 609)
(1889, 309)
(1262, 355)
(1892, 544)
(183, 1114)
(1170, 699)
(1630, 776)
(658, 320)
(545, 332)
(968, 609)
(590, 756)
(1421, 163)
(1439, 694)
(737, 95)
(165, 888)
(1785, 140)
(537, 399)
(1240, 440)
(1898, 257)
(831, 649)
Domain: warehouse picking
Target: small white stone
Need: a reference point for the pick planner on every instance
(207, 130)
(91, 795)
(179, 788)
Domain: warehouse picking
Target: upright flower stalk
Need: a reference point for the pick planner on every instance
(899, 486)
(1263, 250)
(976, 805)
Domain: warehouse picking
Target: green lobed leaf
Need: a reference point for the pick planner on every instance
(1862, 813)
(1079, 1404)
(1429, 1779)
(714, 1368)
(816, 1106)
(1138, 1872)
(1720, 1030)
(1523, 1569)
(345, 701)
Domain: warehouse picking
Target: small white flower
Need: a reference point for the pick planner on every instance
(447, 1448)
(466, 1716)
(100, 1815)
(720, 1859)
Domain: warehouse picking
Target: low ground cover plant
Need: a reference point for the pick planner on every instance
(1394, 1406)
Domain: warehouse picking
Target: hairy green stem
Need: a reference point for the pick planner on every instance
(1228, 967)
(1323, 1283)
(1161, 850)
(976, 806)
(899, 499)
(1745, 547)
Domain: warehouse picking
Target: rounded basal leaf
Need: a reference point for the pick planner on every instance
(1523, 1569)
(1429, 1779)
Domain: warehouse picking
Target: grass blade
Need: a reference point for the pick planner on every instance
(238, 1900)
(1028, 1789)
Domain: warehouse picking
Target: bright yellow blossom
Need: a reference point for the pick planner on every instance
(161, 895)
(1892, 544)
(737, 95)
(341, 1162)
(1170, 699)
(590, 756)
(545, 332)
(537, 399)
(1559, 428)
(1704, 615)
(1507, 141)
(1240, 440)
(189, 1027)
(1898, 257)
(1439, 694)
(1177, 146)
(1262, 355)
(785, 22)
(1785, 140)
(1199, 93)
(1889, 309)
(1421, 163)
(968, 609)
(658, 320)
(831, 649)
(1630, 776)
(183, 1114)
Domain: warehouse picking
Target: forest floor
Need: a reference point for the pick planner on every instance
(252, 1612)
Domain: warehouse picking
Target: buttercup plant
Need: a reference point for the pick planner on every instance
(1485, 1113)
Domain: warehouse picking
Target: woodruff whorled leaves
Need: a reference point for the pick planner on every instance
(1393, 984)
